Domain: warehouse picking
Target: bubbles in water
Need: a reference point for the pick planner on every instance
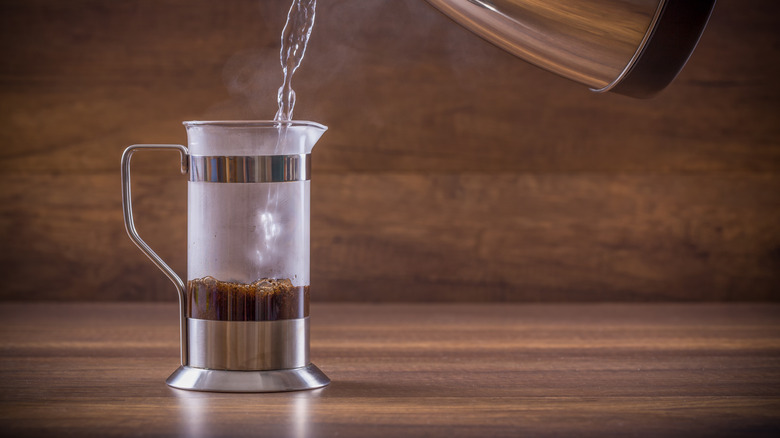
(270, 227)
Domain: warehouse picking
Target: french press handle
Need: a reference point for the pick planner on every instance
(127, 206)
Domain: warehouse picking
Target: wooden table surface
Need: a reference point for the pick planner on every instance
(409, 370)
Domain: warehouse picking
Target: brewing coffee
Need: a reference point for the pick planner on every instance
(244, 310)
(263, 300)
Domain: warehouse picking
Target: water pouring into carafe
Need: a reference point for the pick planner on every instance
(295, 38)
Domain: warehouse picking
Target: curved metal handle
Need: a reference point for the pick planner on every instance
(127, 206)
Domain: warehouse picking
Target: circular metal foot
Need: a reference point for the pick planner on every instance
(200, 379)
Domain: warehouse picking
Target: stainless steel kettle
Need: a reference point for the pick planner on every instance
(631, 47)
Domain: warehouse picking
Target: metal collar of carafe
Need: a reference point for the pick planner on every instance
(250, 169)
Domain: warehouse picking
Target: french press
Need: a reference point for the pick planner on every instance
(244, 311)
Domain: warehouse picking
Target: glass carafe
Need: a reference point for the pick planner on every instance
(245, 306)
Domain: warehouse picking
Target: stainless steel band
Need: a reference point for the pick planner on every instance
(248, 345)
(250, 169)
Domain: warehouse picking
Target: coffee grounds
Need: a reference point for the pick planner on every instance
(264, 300)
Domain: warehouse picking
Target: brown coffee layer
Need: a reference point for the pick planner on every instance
(264, 300)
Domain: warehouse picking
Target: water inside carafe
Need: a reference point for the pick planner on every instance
(248, 250)
(249, 243)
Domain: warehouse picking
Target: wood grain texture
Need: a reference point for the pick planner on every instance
(412, 370)
(447, 162)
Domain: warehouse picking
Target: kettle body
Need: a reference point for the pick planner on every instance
(631, 47)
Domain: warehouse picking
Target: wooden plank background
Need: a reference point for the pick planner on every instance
(451, 170)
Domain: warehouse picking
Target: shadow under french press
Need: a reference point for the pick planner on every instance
(285, 414)
(209, 414)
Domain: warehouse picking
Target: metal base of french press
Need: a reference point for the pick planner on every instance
(200, 379)
(248, 356)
